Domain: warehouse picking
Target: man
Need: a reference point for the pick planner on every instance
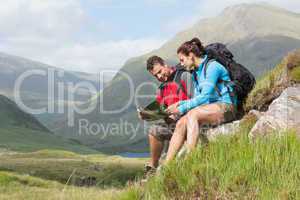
(176, 86)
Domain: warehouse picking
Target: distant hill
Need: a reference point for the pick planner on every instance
(11, 115)
(20, 131)
(34, 89)
(261, 54)
(258, 34)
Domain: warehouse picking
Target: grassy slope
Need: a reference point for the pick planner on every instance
(14, 186)
(25, 140)
(65, 166)
(20, 131)
(231, 168)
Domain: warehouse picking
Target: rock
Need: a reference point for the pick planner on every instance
(256, 113)
(223, 129)
(283, 114)
(229, 128)
(86, 181)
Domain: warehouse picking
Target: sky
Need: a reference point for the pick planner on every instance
(91, 35)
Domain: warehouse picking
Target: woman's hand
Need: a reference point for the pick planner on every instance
(171, 119)
(173, 109)
(141, 115)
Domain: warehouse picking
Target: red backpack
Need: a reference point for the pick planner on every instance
(174, 90)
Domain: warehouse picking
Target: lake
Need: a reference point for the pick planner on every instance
(134, 155)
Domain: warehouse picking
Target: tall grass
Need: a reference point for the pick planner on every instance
(232, 167)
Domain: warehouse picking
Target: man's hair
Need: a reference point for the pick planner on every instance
(153, 60)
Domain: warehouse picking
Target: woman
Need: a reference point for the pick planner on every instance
(213, 103)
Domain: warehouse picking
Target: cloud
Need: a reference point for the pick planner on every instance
(63, 33)
(181, 23)
(55, 32)
(86, 57)
(107, 55)
(42, 18)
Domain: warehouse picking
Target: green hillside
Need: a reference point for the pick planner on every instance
(15, 186)
(11, 115)
(54, 174)
(26, 140)
(97, 170)
(230, 168)
(20, 131)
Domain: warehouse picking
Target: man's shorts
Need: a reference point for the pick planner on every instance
(162, 130)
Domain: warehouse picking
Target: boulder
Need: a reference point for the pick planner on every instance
(282, 114)
(223, 129)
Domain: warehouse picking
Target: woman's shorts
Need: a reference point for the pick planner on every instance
(229, 112)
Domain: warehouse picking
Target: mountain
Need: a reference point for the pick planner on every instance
(20, 131)
(44, 79)
(247, 29)
(11, 115)
(261, 54)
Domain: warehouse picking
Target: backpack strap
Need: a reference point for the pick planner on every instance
(161, 87)
(177, 80)
(231, 93)
(195, 77)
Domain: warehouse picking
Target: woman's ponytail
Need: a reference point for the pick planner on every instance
(193, 46)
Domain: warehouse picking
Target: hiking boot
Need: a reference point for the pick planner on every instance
(149, 170)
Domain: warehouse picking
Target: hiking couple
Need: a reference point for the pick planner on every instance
(209, 90)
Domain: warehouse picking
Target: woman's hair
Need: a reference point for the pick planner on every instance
(193, 46)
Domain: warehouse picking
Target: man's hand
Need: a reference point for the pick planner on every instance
(172, 109)
(140, 115)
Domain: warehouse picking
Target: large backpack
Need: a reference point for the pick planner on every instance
(242, 80)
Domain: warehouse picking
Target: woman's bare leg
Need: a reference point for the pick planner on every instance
(188, 128)
(207, 114)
